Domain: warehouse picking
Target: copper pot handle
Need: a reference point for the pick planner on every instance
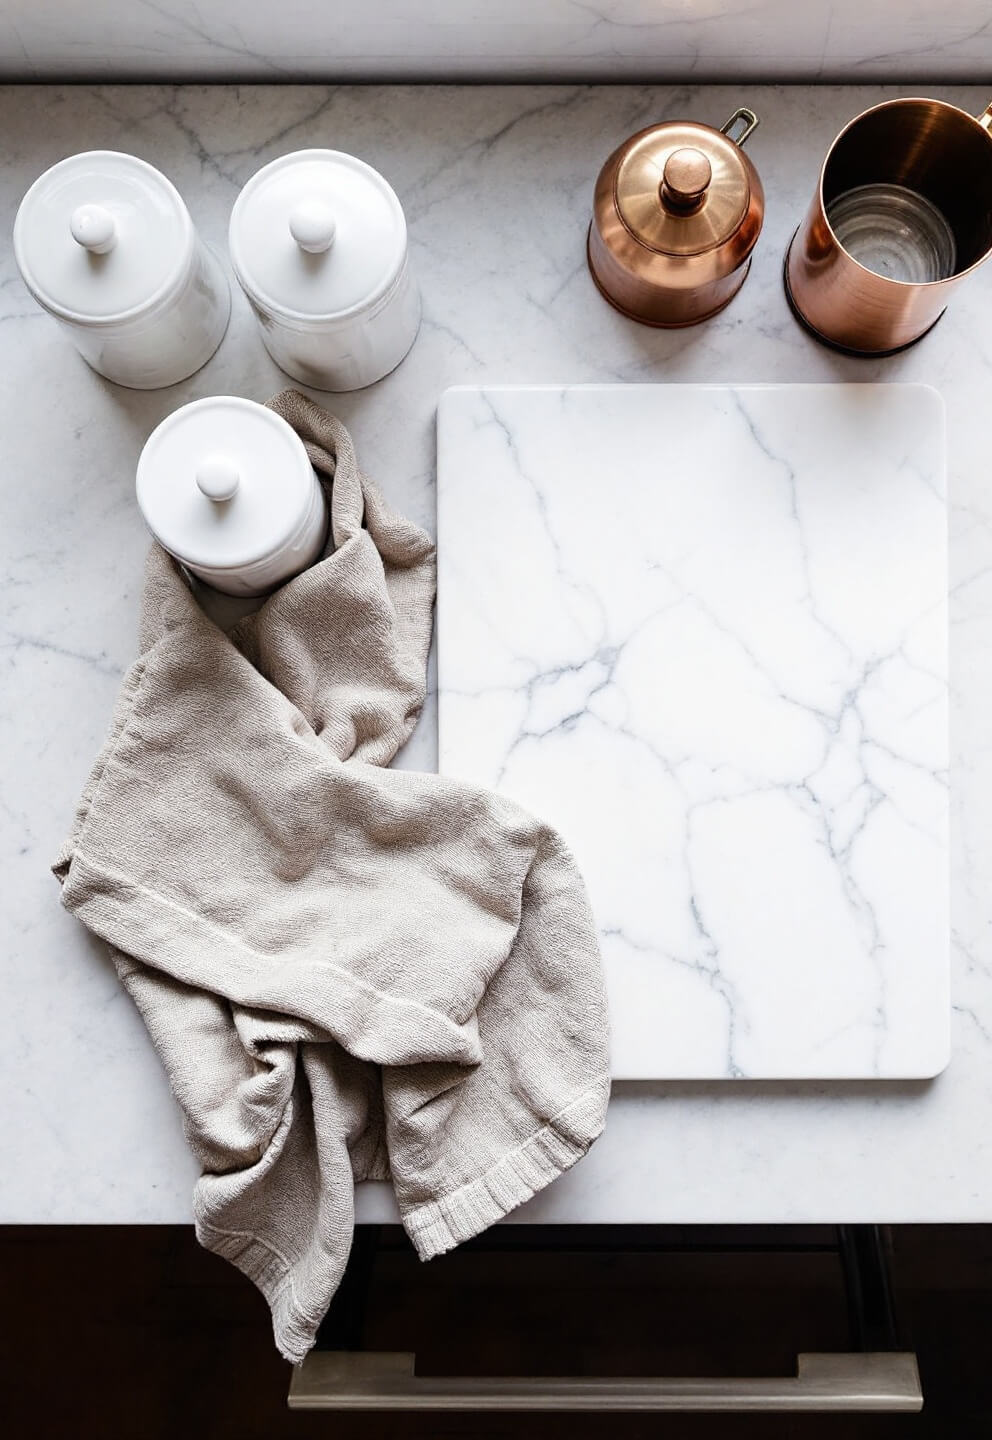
(751, 122)
(985, 119)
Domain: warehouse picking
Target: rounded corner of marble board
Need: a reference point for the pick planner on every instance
(939, 1058)
(934, 396)
(925, 396)
(450, 396)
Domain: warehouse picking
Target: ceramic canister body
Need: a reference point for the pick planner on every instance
(297, 554)
(169, 342)
(349, 353)
(147, 305)
(226, 486)
(318, 242)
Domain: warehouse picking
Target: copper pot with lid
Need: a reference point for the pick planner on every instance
(676, 213)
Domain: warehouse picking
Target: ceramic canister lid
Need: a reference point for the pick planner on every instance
(102, 236)
(317, 235)
(223, 482)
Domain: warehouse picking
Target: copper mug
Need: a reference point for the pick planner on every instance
(940, 157)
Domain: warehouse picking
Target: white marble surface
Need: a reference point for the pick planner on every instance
(497, 187)
(702, 631)
(657, 40)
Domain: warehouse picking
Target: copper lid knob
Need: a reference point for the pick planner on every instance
(685, 178)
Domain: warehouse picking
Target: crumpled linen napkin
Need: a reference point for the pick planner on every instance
(349, 972)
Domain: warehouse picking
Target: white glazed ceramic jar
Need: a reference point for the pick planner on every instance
(318, 242)
(105, 244)
(226, 486)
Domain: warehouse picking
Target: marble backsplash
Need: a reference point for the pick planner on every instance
(657, 40)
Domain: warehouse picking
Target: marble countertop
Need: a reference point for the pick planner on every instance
(496, 182)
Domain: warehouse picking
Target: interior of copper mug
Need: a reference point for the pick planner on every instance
(928, 147)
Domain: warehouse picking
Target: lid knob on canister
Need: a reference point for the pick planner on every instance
(686, 178)
(94, 228)
(312, 226)
(217, 477)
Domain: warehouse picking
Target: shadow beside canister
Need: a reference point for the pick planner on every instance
(930, 147)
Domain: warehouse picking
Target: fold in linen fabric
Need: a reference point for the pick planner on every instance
(349, 972)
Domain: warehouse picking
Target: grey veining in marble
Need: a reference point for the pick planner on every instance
(702, 631)
(497, 186)
(661, 40)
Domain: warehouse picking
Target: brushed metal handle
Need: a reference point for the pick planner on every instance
(369, 1380)
(743, 114)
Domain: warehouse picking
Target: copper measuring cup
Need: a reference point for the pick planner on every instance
(931, 148)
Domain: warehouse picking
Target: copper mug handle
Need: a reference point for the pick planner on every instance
(751, 122)
(986, 117)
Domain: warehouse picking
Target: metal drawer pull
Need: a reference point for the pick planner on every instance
(367, 1380)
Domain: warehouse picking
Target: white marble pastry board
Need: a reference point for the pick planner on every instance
(702, 631)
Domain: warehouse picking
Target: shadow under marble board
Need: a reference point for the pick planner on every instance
(702, 631)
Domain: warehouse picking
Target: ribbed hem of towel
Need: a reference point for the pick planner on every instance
(293, 1329)
(440, 1225)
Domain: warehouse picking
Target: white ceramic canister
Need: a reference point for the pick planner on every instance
(106, 245)
(318, 242)
(227, 487)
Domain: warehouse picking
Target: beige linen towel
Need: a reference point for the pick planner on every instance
(349, 972)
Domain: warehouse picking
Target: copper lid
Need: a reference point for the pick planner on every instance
(682, 188)
(677, 210)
